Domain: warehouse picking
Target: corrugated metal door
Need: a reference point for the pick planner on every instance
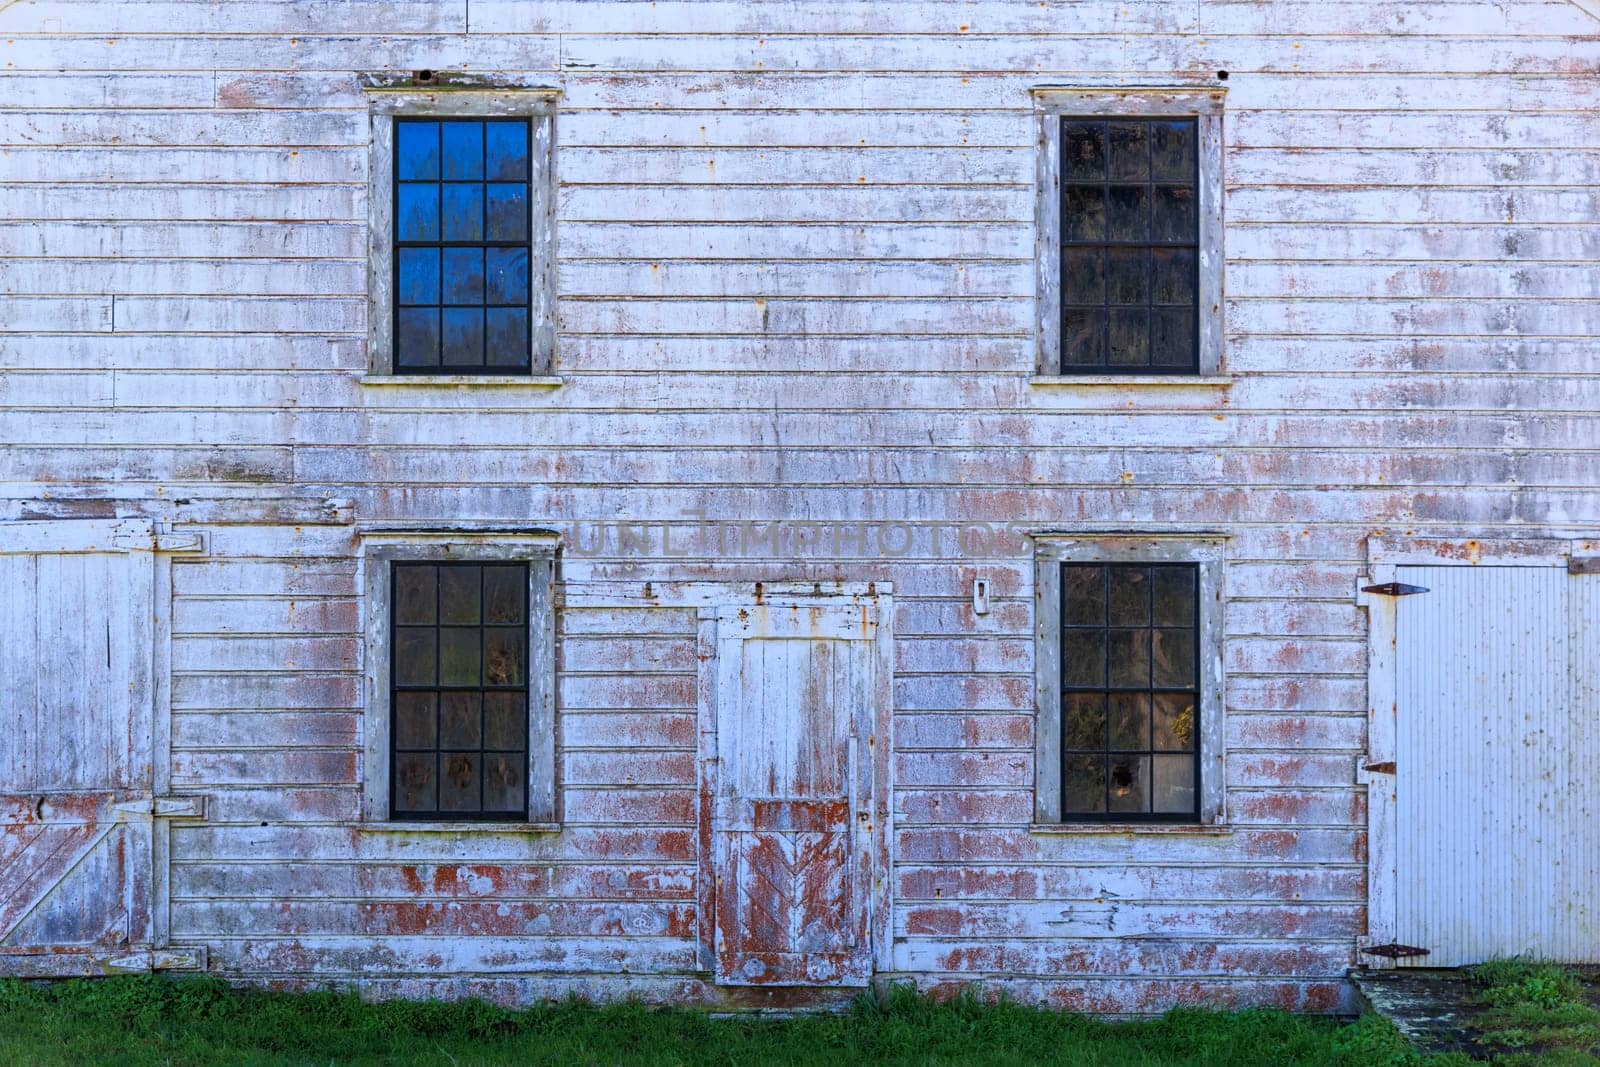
(75, 746)
(1497, 764)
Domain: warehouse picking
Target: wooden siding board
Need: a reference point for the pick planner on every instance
(795, 276)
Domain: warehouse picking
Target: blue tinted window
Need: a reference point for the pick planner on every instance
(462, 245)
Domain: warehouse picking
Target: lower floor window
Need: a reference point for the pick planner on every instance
(1130, 691)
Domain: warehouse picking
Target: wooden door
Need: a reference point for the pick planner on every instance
(800, 703)
(75, 747)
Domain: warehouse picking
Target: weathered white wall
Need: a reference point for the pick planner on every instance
(795, 283)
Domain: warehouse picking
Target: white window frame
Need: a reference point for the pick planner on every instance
(384, 103)
(1052, 549)
(381, 546)
(1205, 105)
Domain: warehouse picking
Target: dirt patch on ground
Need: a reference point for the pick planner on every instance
(1441, 1011)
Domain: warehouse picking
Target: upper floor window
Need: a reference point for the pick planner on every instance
(462, 246)
(461, 231)
(1130, 233)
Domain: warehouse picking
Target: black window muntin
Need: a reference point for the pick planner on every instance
(1126, 286)
(413, 680)
(523, 242)
(1101, 606)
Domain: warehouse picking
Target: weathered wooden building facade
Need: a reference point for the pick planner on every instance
(726, 502)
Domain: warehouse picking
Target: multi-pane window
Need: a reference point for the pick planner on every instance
(1129, 244)
(1129, 692)
(459, 690)
(463, 245)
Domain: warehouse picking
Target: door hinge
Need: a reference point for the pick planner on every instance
(1395, 951)
(1385, 767)
(161, 959)
(1583, 565)
(1394, 589)
(187, 807)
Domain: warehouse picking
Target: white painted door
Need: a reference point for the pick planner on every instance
(76, 624)
(800, 708)
(1497, 764)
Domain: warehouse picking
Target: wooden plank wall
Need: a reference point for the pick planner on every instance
(795, 283)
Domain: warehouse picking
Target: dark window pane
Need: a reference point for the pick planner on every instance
(1083, 785)
(1083, 600)
(1130, 151)
(458, 656)
(1083, 151)
(1129, 216)
(1083, 658)
(1128, 275)
(1129, 337)
(414, 725)
(1083, 338)
(463, 337)
(1175, 217)
(462, 208)
(416, 782)
(508, 213)
(504, 590)
(1172, 595)
(460, 721)
(1128, 778)
(419, 275)
(463, 275)
(1130, 721)
(417, 151)
(1083, 213)
(1172, 786)
(1173, 722)
(1172, 658)
(1130, 596)
(507, 145)
(507, 272)
(1172, 337)
(460, 783)
(503, 779)
(458, 595)
(1174, 276)
(414, 656)
(414, 593)
(417, 342)
(418, 213)
(1083, 276)
(1083, 721)
(1172, 150)
(507, 337)
(502, 656)
(503, 724)
(1130, 658)
(463, 150)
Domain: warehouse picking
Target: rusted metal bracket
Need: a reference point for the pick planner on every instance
(1394, 589)
(1386, 767)
(1583, 565)
(161, 959)
(1395, 951)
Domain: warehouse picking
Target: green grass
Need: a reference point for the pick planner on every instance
(1539, 1007)
(136, 1021)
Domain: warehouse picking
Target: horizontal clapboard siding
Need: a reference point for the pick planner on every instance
(795, 282)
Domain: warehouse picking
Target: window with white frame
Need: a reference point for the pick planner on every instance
(1130, 232)
(1129, 679)
(461, 231)
(460, 679)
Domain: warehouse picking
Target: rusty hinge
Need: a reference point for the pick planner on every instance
(1386, 767)
(1583, 565)
(1394, 589)
(1395, 951)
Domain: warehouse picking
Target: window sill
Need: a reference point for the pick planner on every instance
(439, 381)
(1074, 381)
(420, 827)
(1140, 829)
